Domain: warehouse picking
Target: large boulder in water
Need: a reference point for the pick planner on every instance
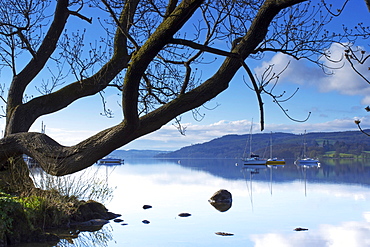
(92, 210)
(221, 200)
(223, 196)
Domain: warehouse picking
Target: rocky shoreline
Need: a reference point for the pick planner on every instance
(23, 228)
(66, 221)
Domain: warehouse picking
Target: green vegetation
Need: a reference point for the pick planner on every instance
(57, 203)
(22, 219)
(7, 207)
(335, 154)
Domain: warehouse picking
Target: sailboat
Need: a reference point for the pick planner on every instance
(306, 161)
(110, 161)
(253, 159)
(271, 160)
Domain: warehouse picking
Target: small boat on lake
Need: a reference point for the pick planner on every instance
(110, 161)
(274, 161)
(253, 159)
(306, 161)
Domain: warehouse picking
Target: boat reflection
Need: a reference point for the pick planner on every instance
(249, 171)
(253, 169)
(303, 167)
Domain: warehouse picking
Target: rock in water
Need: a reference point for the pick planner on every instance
(184, 214)
(92, 210)
(147, 206)
(224, 234)
(221, 196)
(298, 229)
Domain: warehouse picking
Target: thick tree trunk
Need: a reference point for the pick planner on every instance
(59, 160)
(14, 176)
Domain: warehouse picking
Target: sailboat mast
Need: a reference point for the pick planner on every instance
(271, 145)
(250, 139)
(304, 144)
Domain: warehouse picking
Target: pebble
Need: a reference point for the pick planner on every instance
(224, 234)
(184, 214)
(300, 229)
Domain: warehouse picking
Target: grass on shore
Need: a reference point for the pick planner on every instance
(51, 205)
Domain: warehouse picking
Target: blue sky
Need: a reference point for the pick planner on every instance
(334, 102)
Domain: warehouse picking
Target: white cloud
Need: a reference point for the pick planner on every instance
(366, 100)
(354, 234)
(297, 71)
(329, 126)
(68, 137)
(168, 137)
(343, 79)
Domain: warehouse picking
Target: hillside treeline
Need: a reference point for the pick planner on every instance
(282, 145)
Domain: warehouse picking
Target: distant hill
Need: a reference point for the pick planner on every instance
(136, 154)
(285, 145)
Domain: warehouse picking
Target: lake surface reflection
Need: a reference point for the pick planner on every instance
(331, 201)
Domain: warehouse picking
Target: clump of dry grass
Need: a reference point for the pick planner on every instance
(84, 185)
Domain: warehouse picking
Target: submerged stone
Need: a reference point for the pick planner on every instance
(224, 234)
(184, 214)
(298, 229)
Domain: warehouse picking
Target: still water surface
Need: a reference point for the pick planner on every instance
(331, 201)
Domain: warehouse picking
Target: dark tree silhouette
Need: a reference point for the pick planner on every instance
(150, 54)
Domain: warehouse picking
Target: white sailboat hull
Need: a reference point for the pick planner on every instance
(308, 162)
(254, 161)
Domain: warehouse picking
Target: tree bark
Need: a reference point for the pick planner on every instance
(60, 160)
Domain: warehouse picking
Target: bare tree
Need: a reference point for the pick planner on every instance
(368, 4)
(150, 53)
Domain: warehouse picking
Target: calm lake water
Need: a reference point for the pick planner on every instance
(331, 201)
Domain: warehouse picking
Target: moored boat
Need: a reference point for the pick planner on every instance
(306, 161)
(253, 159)
(271, 160)
(275, 161)
(110, 161)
